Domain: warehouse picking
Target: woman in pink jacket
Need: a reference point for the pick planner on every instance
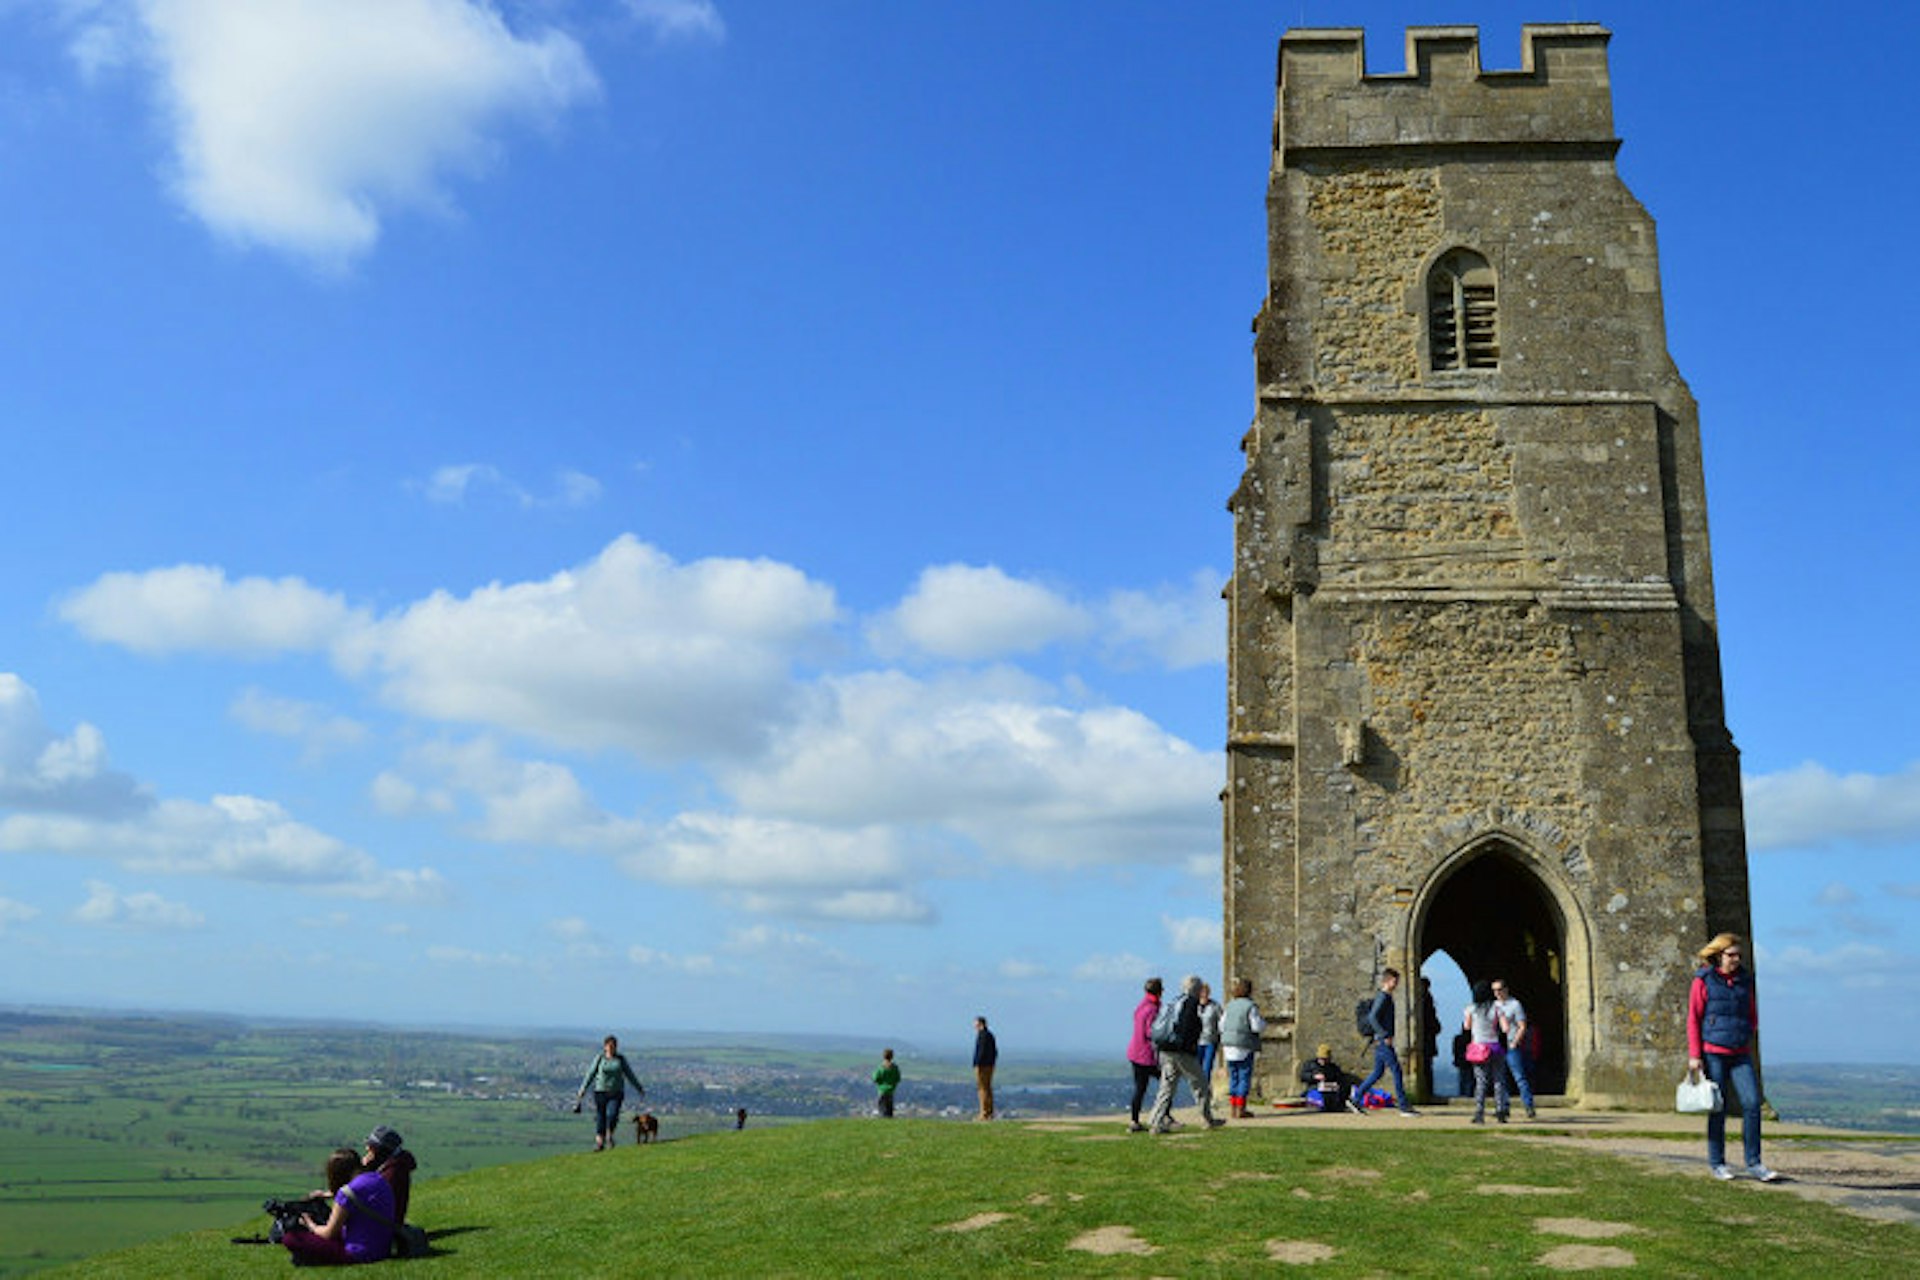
(1723, 1018)
(1141, 1054)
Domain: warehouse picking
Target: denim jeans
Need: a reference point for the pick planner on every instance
(1240, 1077)
(1735, 1069)
(1517, 1064)
(1384, 1060)
(1208, 1052)
(606, 1112)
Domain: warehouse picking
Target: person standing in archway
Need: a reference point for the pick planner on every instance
(1723, 1017)
(1487, 1041)
(1518, 1059)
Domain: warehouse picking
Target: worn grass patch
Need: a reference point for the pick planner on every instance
(853, 1197)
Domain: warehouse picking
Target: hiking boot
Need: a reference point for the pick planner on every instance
(1501, 1116)
(1723, 1173)
(1215, 1122)
(1761, 1173)
(1531, 1113)
(1477, 1119)
(1355, 1107)
(1136, 1127)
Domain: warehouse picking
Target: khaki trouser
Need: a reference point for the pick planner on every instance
(983, 1078)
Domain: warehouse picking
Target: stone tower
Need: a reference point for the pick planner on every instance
(1474, 698)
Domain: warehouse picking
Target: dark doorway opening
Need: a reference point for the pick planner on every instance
(1494, 919)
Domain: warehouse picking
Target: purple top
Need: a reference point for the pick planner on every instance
(1140, 1048)
(366, 1238)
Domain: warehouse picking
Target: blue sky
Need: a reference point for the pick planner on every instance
(655, 513)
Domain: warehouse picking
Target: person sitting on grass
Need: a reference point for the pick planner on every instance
(360, 1226)
(386, 1156)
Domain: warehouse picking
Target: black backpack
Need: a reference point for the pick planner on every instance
(1363, 1017)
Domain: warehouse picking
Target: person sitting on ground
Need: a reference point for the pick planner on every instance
(360, 1226)
(386, 1156)
(1328, 1078)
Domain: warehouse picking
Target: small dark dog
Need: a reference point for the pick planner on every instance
(646, 1127)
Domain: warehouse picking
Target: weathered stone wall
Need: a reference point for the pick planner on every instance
(1369, 224)
(1471, 615)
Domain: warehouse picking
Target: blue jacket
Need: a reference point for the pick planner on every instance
(1728, 1020)
(985, 1051)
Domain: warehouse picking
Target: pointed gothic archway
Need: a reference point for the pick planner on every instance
(1491, 909)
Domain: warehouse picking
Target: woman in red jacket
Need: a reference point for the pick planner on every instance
(1723, 1017)
(1141, 1055)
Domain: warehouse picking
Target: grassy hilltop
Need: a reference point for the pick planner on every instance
(931, 1198)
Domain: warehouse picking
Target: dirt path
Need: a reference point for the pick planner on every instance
(1873, 1178)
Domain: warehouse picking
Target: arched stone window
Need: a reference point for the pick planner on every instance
(1462, 324)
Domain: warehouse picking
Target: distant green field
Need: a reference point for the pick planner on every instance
(114, 1131)
(929, 1198)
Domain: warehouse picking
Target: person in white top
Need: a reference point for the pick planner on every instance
(1518, 1063)
(1240, 1028)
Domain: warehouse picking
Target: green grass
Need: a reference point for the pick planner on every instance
(865, 1198)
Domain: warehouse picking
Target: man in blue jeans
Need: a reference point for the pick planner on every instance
(1518, 1063)
(1380, 1026)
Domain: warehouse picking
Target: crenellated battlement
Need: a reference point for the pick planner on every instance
(1560, 94)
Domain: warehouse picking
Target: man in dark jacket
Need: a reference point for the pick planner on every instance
(1180, 1056)
(1322, 1075)
(1380, 1021)
(985, 1054)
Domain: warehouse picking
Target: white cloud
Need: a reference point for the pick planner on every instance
(1175, 627)
(535, 802)
(575, 488)
(193, 607)
(400, 797)
(12, 913)
(452, 485)
(1020, 970)
(1851, 966)
(965, 613)
(42, 772)
(106, 36)
(235, 837)
(648, 958)
(1193, 935)
(1836, 895)
(571, 929)
(106, 905)
(467, 958)
(449, 485)
(1810, 807)
(1909, 890)
(296, 123)
(1123, 967)
(848, 906)
(679, 19)
(630, 649)
(1026, 781)
(786, 951)
(671, 661)
(318, 731)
